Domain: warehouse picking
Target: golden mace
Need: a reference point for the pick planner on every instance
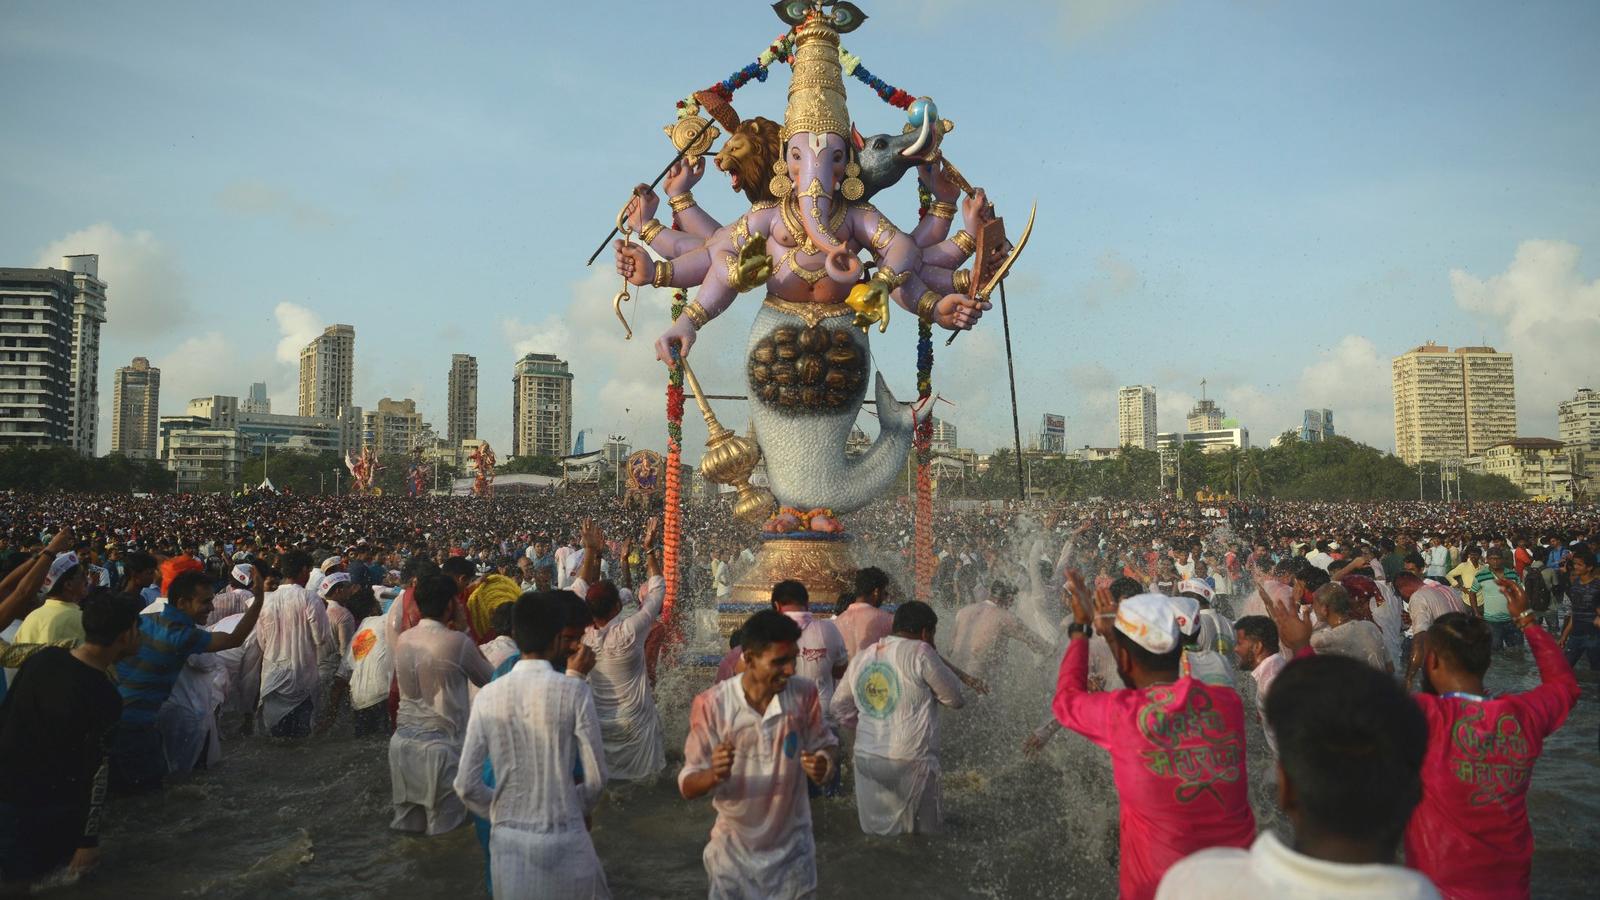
(729, 459)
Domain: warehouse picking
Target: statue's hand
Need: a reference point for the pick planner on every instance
(682, 334)
(634, 263)
(958, 312)
(641, 207)
(682, 177)
(752, 265)
(976, 210)
(939, 184)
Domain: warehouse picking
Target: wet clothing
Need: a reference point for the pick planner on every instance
(295, 639)
(432, 665)
(166, 638)
(890, 695)
(1470, 833)
(761, 846)
(862, 625)
(366, 664)
(229, 603)
(822, 649)
(1178, 758)
(621, 685)
(532, 726)
(1490, 597)
(55, 733)
(1271, 871)
(982, 632)
(1357, 639)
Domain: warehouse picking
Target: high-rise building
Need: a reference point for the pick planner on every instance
(1136, 417)
(36, 394)
(541, 406)
(1317, 426)
(394, 427)
(88, 314)
(944, 436)
(327, 367)
(1452, 404)
(1579, 421)
(1206, 416)
(462, 414)
(257, 400)
(136, 410)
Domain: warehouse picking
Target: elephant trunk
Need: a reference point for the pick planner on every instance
(842, 265)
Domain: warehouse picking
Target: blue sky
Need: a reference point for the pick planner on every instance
(1275, 197)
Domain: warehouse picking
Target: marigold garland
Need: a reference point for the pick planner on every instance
(672, 513)
(782, 49)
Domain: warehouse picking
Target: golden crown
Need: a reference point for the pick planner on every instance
(816, 91)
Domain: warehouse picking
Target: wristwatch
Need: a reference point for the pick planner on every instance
(1077, 628)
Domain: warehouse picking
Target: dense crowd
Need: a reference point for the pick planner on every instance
(508, 648)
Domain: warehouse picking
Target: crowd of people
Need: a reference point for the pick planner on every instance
(509, 651)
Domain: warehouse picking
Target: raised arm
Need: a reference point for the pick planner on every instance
(594, 547)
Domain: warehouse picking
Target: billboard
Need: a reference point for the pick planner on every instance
(1053, 433)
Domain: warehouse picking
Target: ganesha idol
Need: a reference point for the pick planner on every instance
(801, 243)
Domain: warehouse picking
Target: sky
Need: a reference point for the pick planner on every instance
(1273, 197)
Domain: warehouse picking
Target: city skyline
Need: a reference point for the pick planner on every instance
(316, 180)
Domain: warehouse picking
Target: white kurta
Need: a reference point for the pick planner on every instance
(433, 666)
(891, 694)
(822, 648)
(628, 718)
(761, 845)
(293, 634)
(534, 726)
(1269, 870)
(366, 663)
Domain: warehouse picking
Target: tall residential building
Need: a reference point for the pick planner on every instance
(1580, 435)
(257, 400)
(1317, 426)
(541, 406)
(88, 314)
(944, 436)
(36, 396)
(394, 427)
(1452, 404)
(327, 372)
(1206, 416)
(462, 414)
(1136, 417)
(136, 410)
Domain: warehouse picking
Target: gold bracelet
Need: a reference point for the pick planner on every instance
(942, 209)
(697, 314)
(663, 276)
(681, 202)
(926, 305)
(652, 228)
(890, 277)
(961, 281)
(963, 239)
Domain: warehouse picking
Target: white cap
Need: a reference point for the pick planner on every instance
(1187, 611)
(329, 583)
(59, 567)
(1197, 587)
(243, 573)
(332, 561)
(1149, 621)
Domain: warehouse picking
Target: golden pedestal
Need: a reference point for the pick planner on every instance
(825, 567)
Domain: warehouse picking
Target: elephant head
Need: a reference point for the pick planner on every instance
(816, 165)
(885, 157)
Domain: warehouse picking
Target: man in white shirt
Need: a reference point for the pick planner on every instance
(534, 726)
(1255, 648)
(890, 695)
(1438, 559)
(433, 665)
(985, 629)
(822, 652)
(1344, 635)
(296, 645)
(864, 622)
(1426, 601)
(365, 672)
(752, 742)
(1320, 557)
(1351, 747)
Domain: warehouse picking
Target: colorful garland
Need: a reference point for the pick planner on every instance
(887, 92)
(781, 49)
(672, 524)
(922, 440)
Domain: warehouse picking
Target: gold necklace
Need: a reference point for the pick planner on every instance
(809, 276)
(790, 207)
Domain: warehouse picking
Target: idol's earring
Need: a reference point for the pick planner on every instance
(780, 185)
(852, 188)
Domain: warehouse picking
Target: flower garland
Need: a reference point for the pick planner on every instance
(890, 94)
(922, 440)
(781, 49)
(673, 513)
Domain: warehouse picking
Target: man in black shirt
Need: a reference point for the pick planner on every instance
(55, 731)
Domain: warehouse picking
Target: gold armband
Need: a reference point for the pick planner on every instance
(926, 305)
(652, 228)
(961, 281)
(963, 239)
(889, 277)
(681, 202)
(942, 209)
(663, 276)
(697, 314)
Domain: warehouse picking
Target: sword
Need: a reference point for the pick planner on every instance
(1005, 267)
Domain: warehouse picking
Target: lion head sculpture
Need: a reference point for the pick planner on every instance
(748, 154)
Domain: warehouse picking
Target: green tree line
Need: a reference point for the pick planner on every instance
(62, 469)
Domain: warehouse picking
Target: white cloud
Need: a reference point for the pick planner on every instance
(1353, 380)
(189, 370)
(1550, 319)
(297, 327)
(146, 292)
